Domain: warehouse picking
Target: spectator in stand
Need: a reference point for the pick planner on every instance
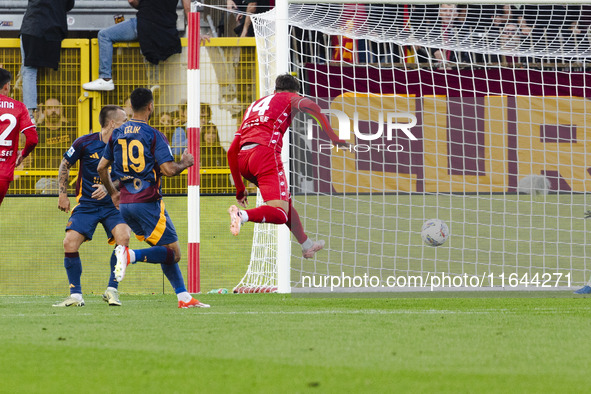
(547, 25)
(14, 120)
(309, 46)
(345, 48)
(42, 31)
(505, 29)
(397, 17)
(448, 33)
(503, 17)
(179, 137)
(476, 18)
(179, 117)
(244, 27)
(245, 70)
(421, 21)
(165, 125)
(55, 136)
(213, 156)
(127, 108)
(154, 28)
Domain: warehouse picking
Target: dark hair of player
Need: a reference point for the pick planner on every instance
(107, 113)
(287, 83)
(140, 98)
(5, 77)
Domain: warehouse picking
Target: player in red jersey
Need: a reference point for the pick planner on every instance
(255, 154)
(14, 119)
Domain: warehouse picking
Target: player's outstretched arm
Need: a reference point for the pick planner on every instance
(233, 151)
(103, 170)
(63, 202)
(172, 168)
(311, 108)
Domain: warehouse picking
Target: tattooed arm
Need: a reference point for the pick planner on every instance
(64, 173)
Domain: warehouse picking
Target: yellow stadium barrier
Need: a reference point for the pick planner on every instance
(228, 74)
(32, 227)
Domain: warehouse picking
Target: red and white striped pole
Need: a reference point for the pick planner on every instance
(193, 139)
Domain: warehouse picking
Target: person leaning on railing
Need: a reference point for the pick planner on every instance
(43, 29)
(154, 28)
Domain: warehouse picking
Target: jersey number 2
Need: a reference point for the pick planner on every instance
(4, 141)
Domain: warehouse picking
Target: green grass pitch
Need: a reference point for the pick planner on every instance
(32, 258)
(378, 235)
(273, 343)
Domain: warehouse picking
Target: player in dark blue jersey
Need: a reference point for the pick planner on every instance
(138, 156)
(94, 205)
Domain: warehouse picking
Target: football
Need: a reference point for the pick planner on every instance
(434, 232)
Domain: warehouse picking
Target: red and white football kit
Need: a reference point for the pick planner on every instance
(256, 150)
(14, 119)
(255, 154)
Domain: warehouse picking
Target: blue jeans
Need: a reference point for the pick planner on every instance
(121, 32)
(29, 80)
(179, 141)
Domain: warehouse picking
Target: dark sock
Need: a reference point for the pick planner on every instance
(175, 277)
(74, 270)
(112, 281)
(295, 224)
(155, 255)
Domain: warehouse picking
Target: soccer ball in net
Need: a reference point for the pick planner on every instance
(434, 232)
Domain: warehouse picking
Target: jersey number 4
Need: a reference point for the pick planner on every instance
(4, 141)
(138, 162)
(260, 106)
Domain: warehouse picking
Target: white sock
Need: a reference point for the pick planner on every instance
(111, 288)
(76, 296)
(243, 216)
(307, 244)
(184, 296)
(131, 256)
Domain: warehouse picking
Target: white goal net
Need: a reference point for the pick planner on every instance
(472, 114)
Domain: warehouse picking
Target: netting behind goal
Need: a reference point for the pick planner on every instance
(476, 115)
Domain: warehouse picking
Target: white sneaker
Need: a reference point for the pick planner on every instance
(194, 303)
(70, 301)
(122, 254)
(99, 84)
(112, 297)
(308, 253)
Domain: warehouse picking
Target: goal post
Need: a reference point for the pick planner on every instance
(477, 115)
(193, 142)
(283, 233)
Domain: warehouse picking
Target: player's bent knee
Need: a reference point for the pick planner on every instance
(283, 206)
(278, 204)
(70, 244)
(122, 240)
(172, 256)
(122, 234)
